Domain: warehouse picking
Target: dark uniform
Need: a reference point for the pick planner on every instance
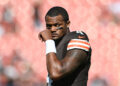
(74, 40)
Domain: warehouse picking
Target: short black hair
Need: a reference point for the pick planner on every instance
(55, 11)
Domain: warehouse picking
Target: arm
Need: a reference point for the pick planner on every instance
(72, 60)
(60, 68)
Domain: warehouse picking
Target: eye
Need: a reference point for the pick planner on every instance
(48, 26)
(57, 25)
(60, 28)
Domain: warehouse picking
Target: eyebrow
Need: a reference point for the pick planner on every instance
(53, 24)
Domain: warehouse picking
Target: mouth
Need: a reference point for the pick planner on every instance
(54, 35)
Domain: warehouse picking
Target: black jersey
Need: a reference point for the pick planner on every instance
(74, 40)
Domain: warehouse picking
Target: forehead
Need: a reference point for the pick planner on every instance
(54, 19)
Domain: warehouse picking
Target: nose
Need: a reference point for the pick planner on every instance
(53, 29)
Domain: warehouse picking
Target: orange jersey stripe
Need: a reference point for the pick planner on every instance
(69, 46)
(79, 41)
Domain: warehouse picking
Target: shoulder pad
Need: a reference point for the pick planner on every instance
(80, 32)
(81, 35)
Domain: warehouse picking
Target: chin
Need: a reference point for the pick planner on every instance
(57, 38)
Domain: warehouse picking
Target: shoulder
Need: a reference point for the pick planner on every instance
(79, 40)
(77, 35)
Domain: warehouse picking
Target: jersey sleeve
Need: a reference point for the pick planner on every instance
(81, 42)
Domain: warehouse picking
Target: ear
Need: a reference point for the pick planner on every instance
(68, 23)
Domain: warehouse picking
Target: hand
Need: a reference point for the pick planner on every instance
(45, 35)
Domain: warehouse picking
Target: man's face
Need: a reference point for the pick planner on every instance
(57, 26)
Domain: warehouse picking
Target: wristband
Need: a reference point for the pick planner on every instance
(50, 46)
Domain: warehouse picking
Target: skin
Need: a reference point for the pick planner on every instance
(52, 25)
(73, 58)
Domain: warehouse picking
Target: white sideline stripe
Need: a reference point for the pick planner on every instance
(79, 40)
(77, 48)
(79, 44)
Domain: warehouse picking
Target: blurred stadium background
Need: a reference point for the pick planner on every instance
(22, 55)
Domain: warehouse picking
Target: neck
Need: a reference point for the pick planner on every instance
(58, 41)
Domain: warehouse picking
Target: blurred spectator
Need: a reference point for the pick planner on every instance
(8, 15)
(97, 81)
(3, 79)
(36, 16)
(36, 13)
(110, 14)
(2, 31)
(1, 65)
(16, 71)
(114, 8)
(7, 24)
